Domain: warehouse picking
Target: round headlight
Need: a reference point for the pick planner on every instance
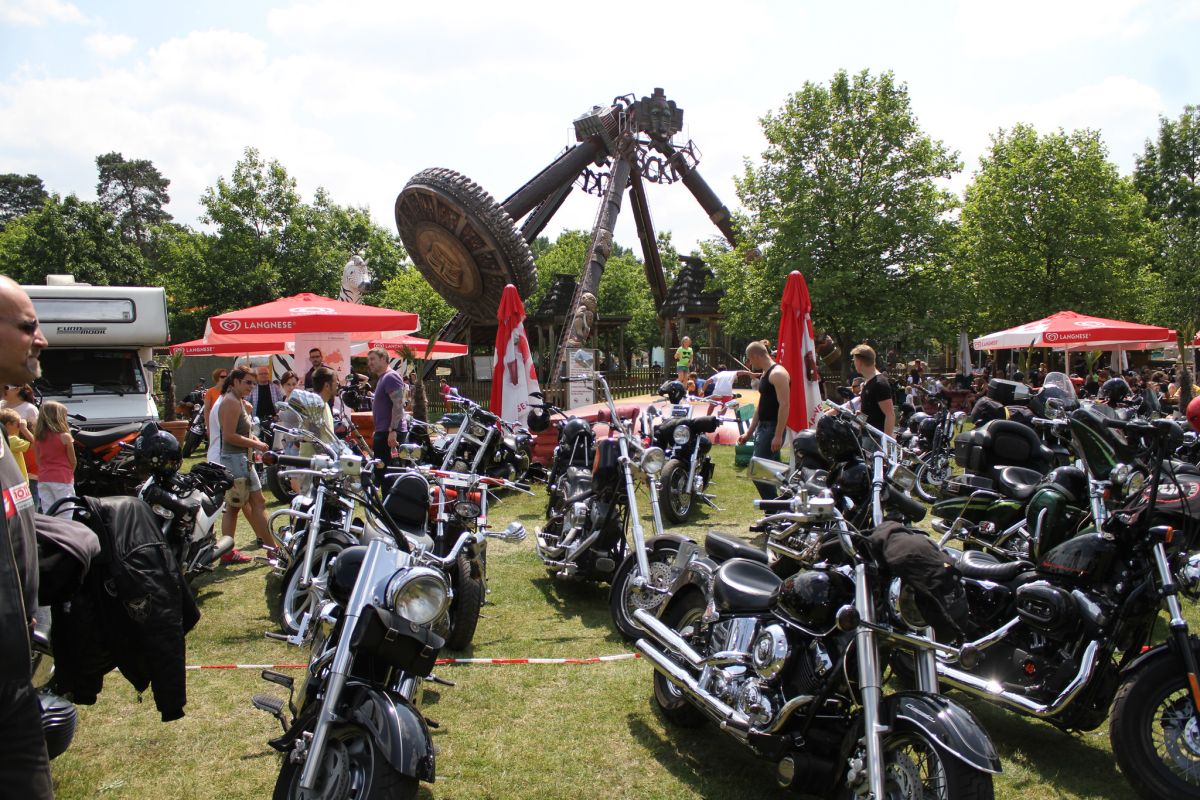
(653, 460)
(681, 434)
(466, 509)
(419, 594)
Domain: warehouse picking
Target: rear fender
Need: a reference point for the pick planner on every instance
(396, 727)
(953, 727)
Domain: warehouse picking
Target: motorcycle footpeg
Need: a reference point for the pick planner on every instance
(269, 703)
(440, 681)
(279, 637)
(278, 678)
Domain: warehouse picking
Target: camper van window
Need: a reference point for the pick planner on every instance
(80, 372)
(91, 309)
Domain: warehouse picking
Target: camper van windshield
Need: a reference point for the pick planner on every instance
(82, 372)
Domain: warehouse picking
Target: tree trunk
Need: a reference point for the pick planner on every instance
(420, 402)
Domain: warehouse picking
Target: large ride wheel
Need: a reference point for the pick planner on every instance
(463, 242)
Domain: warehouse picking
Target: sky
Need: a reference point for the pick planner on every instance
(359, 95)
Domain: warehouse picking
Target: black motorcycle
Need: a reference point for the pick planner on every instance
(1069, 634)
(353, 729)
(684, 439)
(790, 668)
(197, 432)
(485, 444)
(931, 438)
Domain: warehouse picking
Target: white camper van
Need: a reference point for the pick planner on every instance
(101, 339)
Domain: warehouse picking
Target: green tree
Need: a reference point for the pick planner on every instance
(134, 192)
(19, 195)
(349, 230)
(73, 237)
(408, 290)
(847, 192)
(1048, 224)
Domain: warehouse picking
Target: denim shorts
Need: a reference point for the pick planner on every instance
(239, 464)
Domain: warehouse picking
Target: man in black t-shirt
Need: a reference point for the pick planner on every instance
(877, 392)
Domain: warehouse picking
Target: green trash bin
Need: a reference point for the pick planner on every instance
(743, 452)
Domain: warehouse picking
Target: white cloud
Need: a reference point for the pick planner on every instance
(1009, 28)
(39, 12)
(109, 46)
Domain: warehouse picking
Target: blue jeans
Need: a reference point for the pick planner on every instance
(763, 435)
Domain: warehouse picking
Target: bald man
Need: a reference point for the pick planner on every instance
(24, 766)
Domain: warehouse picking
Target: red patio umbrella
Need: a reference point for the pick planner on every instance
(307, 313)
(797, 352)
(514, 377)
(419, 346)
(199, 347)
(1068, 330)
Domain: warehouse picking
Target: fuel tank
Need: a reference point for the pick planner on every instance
(1083, 559)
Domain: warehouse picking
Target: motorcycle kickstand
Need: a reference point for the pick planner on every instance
(708, 498)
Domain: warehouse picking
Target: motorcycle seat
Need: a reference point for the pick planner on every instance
(744, 585)
(1017, 482)
(721, 548)
(985, 566)
(94, 439)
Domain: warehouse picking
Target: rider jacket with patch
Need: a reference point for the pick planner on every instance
(132, 612)
(18, 570)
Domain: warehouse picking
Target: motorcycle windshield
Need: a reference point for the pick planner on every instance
(1060, 381)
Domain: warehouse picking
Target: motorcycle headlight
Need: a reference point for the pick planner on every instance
(682, 434)
(653, 460)
(466, 509)
(1126, 481)
(419, 594)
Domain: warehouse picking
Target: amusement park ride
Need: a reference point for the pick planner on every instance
(468, 246)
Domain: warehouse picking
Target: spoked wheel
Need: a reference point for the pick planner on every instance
(676, 496)
(915, 769)
(297, 602)
(682, 616)
(352, 768)
(624, 598)
(190, 442)
(932, 476)
(1155, 732)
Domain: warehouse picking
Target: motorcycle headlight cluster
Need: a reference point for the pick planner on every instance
(1126, 481)
(653, 460)
(419, 594)
(466, 509)
(682, 434)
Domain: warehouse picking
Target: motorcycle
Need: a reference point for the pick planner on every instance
(354, 730)
(791, 669)
(684, 439)
(487, 445)
(932, 440)
(592, 507)
(1068, 635)
(104, 459)
(189, 505)
(197, 433)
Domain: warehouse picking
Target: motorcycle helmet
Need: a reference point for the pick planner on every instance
(836, 439)
(1193, 414)
(157, 451)
(813, 597)
(1114, 390)
(914, 422)
(927, 428)
(573, 429)
(59, 717)
(538, 419)
(674, 391)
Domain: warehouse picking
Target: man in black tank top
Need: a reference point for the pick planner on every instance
(876, 395)
(769, 423)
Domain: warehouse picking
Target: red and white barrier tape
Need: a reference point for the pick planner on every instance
(443, 662)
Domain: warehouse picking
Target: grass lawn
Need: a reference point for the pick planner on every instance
(533, 731)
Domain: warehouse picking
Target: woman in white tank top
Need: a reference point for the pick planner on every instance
(214, 429)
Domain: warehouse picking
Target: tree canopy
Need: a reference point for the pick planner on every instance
(847, 192)
(135, 193)
(19, 195)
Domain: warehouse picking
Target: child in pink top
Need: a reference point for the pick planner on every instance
(55, 454)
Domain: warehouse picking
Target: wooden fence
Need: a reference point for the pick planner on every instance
(622, 383)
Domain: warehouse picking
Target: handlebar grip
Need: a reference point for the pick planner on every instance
(271, 458)
(156, 494)
(773, 505)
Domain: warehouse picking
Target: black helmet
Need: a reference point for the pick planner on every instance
(836, 439)
(1114, 390)
(813, 597)
(538, 419)
(59, 717)
(914, 421)
(928, 428)
(157, 451)
(674, 390)
(574, 428)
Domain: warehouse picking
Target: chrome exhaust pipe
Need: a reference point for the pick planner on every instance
(667, 637)
(679, 677)
(991, 690)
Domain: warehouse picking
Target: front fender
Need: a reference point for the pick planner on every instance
(952, 726)
(396, 727)
(336, 537)
(1165, 650)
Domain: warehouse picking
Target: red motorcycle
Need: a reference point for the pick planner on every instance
(104, 459)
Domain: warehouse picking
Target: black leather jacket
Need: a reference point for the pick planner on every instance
(18, 570)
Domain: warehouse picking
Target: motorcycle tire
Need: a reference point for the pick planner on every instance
(190, 443)
(353, 768)
(466, 605)
(622, 600)
(957, 780)
(932, 476)
(292, 602)
(1155, 699)
(281, 488)
(674, 500)
(684, 611)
